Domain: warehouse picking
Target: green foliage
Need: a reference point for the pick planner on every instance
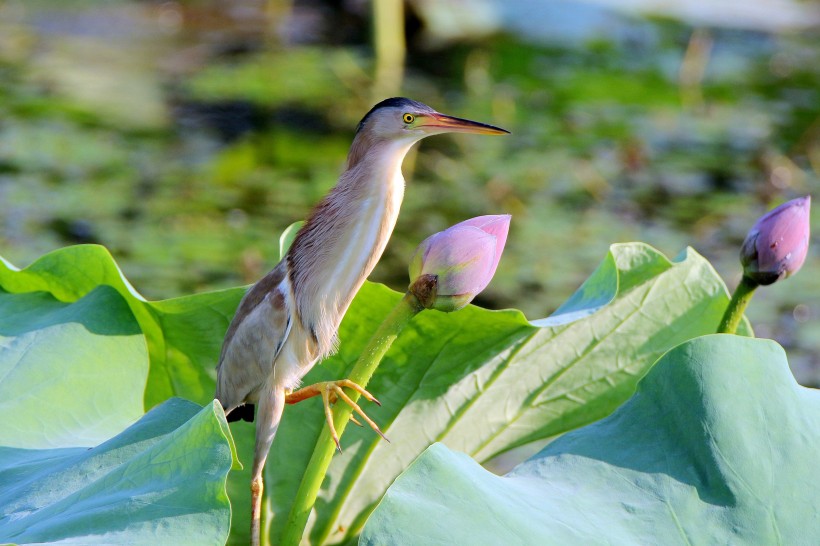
(304, 74)
(161, 481)
(70, 363)
(484, 382)
(717, 446)
(75, 365)
(183, 334)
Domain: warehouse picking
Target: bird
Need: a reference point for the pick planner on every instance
(289, 320)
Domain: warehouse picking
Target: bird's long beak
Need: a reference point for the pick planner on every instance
(452, 124)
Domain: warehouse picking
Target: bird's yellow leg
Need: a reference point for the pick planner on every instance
(257, 487)
(330, 391)
(271, 406)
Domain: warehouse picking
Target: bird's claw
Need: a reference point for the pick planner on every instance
(331, 391)
(334, 390)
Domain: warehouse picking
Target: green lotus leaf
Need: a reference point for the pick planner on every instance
(718, 446)
(161, 481)
(74, 376)
(183, 334)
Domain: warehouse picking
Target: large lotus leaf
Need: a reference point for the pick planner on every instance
(483, 382)
(70, 374)
(718, 446)
(73, 376)
(161, 481)
(183, 334)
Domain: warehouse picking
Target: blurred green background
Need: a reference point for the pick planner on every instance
(186, 135)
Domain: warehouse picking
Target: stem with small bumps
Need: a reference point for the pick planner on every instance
(316, 470)
(734, 311)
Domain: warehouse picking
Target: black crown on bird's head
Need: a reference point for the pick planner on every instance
(395, 102)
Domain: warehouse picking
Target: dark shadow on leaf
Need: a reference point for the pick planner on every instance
(30, 311)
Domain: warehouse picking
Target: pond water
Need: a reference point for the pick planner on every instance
(185, 136)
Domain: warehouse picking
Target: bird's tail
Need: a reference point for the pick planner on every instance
(241, 413)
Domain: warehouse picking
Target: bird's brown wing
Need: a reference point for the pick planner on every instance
(253, 340)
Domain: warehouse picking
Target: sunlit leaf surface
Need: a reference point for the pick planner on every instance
(70, 374)
(717, 446)
(161, 481)
(74, 466)
(183, 334)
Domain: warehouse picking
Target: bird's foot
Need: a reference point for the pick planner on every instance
(331, 391)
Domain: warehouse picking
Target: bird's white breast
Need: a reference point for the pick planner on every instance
(367, 207)
(368, 235)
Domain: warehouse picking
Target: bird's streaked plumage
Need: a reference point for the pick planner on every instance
(289, 320)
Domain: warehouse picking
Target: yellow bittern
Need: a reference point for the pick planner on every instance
(289, 320)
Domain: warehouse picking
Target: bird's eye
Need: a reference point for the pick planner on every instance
(408, 118)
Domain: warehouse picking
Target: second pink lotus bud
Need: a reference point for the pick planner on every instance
(777, 244)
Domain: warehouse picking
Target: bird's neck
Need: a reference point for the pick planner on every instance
(344, 238)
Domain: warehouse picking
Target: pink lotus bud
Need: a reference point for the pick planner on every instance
(451, 267)
(777, 244)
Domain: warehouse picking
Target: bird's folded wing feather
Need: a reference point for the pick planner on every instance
(254, 340)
